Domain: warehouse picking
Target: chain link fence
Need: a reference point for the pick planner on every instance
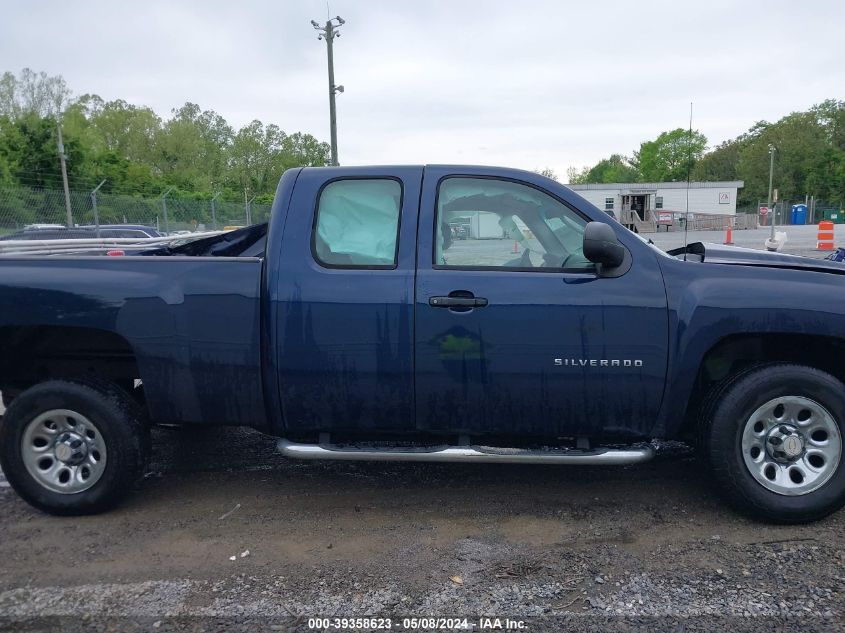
(21, 207)
(817, 210)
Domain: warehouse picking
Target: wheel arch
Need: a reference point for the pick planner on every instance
(736, 352)
(34, 353)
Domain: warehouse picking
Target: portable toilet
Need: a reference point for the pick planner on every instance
(799, 214)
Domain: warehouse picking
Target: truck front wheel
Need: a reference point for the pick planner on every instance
(72, 448)
(774, 441)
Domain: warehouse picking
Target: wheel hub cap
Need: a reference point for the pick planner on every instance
(785, 443)
(63, 451)
(71, 449)
(791, 445)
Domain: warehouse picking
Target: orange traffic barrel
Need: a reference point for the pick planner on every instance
(825, 238)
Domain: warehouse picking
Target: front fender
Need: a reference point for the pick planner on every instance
(711, 302)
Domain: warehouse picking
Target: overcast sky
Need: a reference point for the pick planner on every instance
(517, 83)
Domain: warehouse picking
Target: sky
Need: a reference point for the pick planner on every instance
(528, 84)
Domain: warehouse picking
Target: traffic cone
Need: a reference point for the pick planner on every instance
(825, 236)
(729, 237)
(515, 246)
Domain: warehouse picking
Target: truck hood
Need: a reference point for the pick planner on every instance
(720, 254)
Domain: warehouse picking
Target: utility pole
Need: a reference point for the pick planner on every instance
(248, 206)
(214, 212)
(63, 161)
(771, 172)
(164, 208)
(94, 206)
(328, 33)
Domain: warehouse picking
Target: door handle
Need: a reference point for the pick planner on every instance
(457, 302)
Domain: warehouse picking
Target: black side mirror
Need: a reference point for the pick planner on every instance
(601, 245)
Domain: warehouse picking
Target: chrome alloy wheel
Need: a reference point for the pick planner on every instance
(791, 445)
(63, 451)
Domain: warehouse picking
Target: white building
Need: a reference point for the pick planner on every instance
(650, 203)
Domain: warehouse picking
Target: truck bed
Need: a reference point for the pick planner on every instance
(191, 323)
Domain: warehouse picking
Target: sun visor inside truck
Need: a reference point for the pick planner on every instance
(359, 219)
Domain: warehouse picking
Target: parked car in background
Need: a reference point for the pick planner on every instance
(51, 233)
(126, 230)
(46, 232)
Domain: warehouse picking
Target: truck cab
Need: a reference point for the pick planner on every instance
(384, 323)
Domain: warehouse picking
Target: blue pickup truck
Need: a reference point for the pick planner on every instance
(437, 313)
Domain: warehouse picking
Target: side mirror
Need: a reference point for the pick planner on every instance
(601, 245)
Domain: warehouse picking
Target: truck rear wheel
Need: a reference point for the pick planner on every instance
(774, 442)
(72, 448)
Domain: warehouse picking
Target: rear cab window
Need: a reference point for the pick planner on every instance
(357, 223)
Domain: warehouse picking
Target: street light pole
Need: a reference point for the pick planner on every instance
(771, 171)
(328, 33)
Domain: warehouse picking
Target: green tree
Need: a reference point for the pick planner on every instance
(670, 156)
(253, 154)
(6, 164)
(799, 142)
(191, 149)
(135, 150)
(721, 163)
(30, 142)
(617, 168)
(300, 149)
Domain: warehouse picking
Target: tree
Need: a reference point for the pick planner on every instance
(671, 156)
(721, 163)
(303, 149)
(548, 172)
(800, 146)
(617, 168)
(30, 147)
(253, 155)
(32, 93)
(6, 164)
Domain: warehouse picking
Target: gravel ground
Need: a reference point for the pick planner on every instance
(647, 546)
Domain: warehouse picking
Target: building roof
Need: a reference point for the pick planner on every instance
(727, 184)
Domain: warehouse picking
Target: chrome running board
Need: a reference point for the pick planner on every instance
(478, 454)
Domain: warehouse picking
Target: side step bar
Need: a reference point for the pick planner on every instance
(477, 454)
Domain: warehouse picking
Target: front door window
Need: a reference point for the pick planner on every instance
(484, 223)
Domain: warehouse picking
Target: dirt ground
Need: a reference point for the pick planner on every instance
(555, 547)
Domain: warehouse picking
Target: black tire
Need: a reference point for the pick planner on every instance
(721, 435)
(708, 405)
(120, 422)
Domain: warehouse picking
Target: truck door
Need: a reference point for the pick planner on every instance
(342, 300)
(516, 333)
